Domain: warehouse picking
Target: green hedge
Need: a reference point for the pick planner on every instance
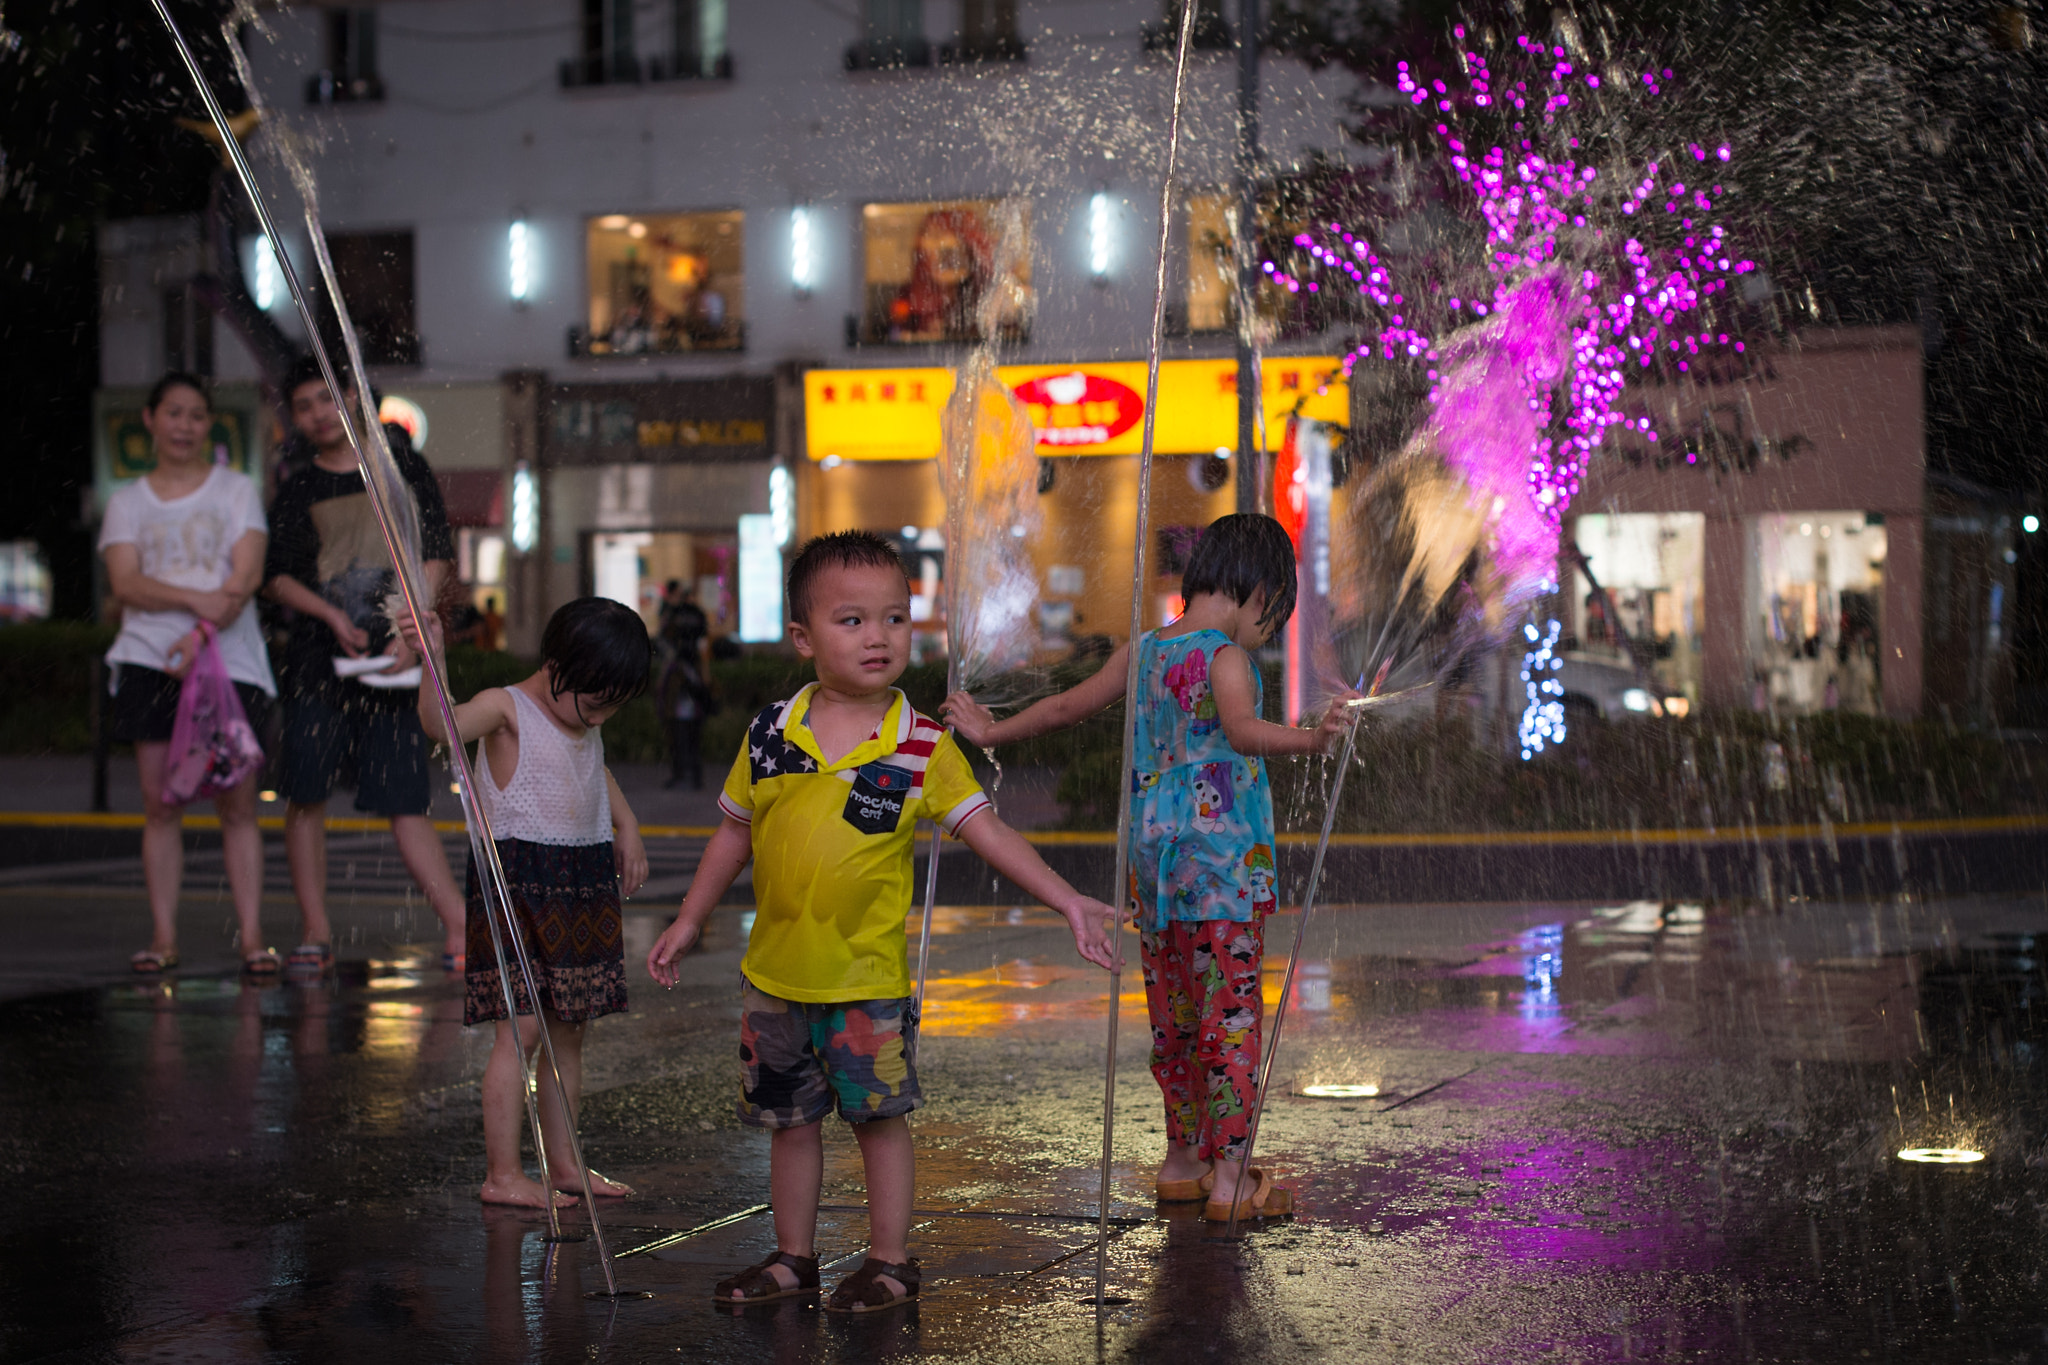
(1711, 770)
(46, 671)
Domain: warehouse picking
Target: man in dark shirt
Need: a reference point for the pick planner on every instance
(329, 564)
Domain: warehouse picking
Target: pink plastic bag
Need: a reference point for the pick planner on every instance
(213, 747)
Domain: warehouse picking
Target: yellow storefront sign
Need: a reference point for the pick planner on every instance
(1090, 409)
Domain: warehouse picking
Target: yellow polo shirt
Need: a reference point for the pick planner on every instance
(832, 846)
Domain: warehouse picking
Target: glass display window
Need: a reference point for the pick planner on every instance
(662, 283)
(941, 271)
(1815, 613)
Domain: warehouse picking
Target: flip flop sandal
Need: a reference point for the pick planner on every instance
(1266, 1200)
(150, 962)
(454, 962)
(264, 963)
(310, 961)
(864, 1292)
(1185, 1191)
(756, 1278)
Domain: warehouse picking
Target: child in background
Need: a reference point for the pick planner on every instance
(1201, 844)
(567, 841)
(824, 798)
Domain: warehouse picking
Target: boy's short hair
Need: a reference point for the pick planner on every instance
(598, 648)
(839, 550)
(306, 370)
(1238, 555)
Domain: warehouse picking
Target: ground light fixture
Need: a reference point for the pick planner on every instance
(1340, 1091)
(519, 260)
(1941, 1156)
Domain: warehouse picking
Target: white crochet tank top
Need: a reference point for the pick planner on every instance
(558, 793)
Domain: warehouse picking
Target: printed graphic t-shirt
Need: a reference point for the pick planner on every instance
(188, 542)
(324, 533)
(832, 846)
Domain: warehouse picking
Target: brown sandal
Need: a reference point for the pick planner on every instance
(1266, 1200)
(1185, 1191)
(864, 1292)
(757, 1277)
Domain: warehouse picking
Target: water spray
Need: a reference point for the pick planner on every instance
(1119, 891)
(1308, 906)
(387, 491)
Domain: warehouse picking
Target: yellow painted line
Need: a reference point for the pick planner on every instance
(1874, 829)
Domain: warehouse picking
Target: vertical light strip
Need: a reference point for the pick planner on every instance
(800, 272)
(1098, 236)
(519, 260)
(263, 274)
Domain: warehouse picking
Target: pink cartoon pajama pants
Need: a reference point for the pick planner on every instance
(1202, 990)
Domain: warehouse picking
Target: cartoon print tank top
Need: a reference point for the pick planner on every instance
(1201, 813)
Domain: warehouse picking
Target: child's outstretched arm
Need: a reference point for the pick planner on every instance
(486, 713)
(628, 850)
(732, 844)
(1002, 848)
(974, 722)
(1230, 679)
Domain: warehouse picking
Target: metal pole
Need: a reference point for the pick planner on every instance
(1308, 905)
(479, 825)
(1118, 888)
(1250, 417)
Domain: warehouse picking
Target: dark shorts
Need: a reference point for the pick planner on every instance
(380, 747)
(799, 1060)
(145, 706)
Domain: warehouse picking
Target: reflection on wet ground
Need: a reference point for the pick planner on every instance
(1573, 1132)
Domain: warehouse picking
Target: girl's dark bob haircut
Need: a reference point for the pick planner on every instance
(177, 379)
(1238, 555)
(597, 648)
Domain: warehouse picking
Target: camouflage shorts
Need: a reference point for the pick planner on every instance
(797, 1059)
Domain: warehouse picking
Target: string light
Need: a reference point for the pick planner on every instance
(1543, 718)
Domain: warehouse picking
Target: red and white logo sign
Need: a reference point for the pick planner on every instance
(1079, 409)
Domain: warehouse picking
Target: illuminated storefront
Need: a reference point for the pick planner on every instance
(872, 438)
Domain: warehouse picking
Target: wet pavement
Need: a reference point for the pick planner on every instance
(1575, 1131)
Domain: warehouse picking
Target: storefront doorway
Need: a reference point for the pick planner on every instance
(1816, 610)
(636, 567)
(1652, 565)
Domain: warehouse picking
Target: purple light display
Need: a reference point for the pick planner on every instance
(1591, 274)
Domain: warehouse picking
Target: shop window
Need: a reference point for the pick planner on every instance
(662, 283)
(375, 272)
(1212, 34)
(1652, 568)
(1816, 621)
(931, 267)
(697, 50)
(350, 75)
(891, 37)
(988, 33)
(1212, 263)
(607, 47)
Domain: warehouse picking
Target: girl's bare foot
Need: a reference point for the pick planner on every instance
(522, 1191)
(1182, 1164)
(599, 1186)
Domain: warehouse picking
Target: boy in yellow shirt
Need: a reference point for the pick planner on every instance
(825, 799)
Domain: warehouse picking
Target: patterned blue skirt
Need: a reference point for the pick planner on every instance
(566, 898)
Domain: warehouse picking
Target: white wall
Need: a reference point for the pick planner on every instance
(475, 131)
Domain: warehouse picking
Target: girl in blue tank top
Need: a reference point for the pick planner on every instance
(1202, 863)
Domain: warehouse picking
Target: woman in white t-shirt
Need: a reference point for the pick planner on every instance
(183, 544)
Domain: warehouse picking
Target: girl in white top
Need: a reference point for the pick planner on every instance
(184, 544)
(567, 841)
